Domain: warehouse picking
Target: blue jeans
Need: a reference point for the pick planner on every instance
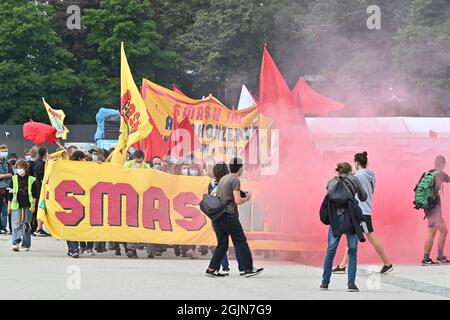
(226, 265)
(73, 247)
(21, 229)
(333, 242)
(4, 214)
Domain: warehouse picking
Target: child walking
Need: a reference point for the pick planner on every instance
(21, 206)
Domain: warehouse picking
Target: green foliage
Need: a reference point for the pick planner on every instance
(33, 64)
(214, 46)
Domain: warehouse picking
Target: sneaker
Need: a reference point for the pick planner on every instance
(226, 272)
(429, 262)
(213, 273)
(90, 252)
(241, 273)
(442, 259)
(3, 232)
(74, 255)
(118, 253)
(177, 251)
(26, 249)
(191, 254)
(252, 273)
(150, 254)
(324, 287)
(41, 233)
(338, 270)
(16, 248)
(386, 269)
(353, 288)
(132, 254)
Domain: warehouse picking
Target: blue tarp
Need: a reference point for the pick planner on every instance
(100, 117)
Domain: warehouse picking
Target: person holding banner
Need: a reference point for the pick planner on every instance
(137, 162)
(39, 171)
(229, 191)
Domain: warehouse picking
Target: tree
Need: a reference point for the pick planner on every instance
(32, 64)
(422, 52)
(131, 22)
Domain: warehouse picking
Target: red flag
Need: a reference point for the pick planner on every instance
(275, 97)
(154, 145)
(311, 102)
(39, 133)
(434, 135)
(174, 88)
(175, 138)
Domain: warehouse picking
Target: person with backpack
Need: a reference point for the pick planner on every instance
(367, 179)
(427, 197)
(228, 224)
(220, 170)
(340, 210)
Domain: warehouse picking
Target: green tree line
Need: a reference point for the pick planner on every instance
(215, 46)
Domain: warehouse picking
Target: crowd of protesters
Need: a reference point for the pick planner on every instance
(346, 208)
(20, 185)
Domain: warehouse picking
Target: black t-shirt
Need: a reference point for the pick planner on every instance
(22, 195)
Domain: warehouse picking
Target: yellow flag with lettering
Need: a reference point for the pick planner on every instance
(134, 124)
(57, 120)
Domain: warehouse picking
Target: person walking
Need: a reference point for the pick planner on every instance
(228, 225)
(367, 179)
(21, 206)
(434, 215)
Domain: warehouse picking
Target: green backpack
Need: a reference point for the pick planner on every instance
(424, 191)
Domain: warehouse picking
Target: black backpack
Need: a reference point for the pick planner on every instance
(212, 207)
(341, 193)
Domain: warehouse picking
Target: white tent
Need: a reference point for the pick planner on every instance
(412, 134)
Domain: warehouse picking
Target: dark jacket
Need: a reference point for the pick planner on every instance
(353, 217)
(39, 171)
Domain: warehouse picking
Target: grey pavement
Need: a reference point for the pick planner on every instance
(46, 272)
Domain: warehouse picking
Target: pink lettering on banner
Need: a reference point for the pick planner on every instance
(196, 218)
(64, 196)
(156, 208)
(116, 194)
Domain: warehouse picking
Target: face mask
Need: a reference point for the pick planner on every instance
(28, 158)
(157, 167)
(193, 172)
(4, 154)
(21, 172)
(94, 157)
(184, 172)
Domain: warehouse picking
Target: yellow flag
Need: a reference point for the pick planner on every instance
(57, 120)
(134, 122)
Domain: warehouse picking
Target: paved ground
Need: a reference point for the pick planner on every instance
(47, 273)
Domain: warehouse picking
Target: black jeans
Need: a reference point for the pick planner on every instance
(229, 225)
(87, 245)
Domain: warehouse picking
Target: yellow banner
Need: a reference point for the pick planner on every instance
(83, 201)
(215, 125)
